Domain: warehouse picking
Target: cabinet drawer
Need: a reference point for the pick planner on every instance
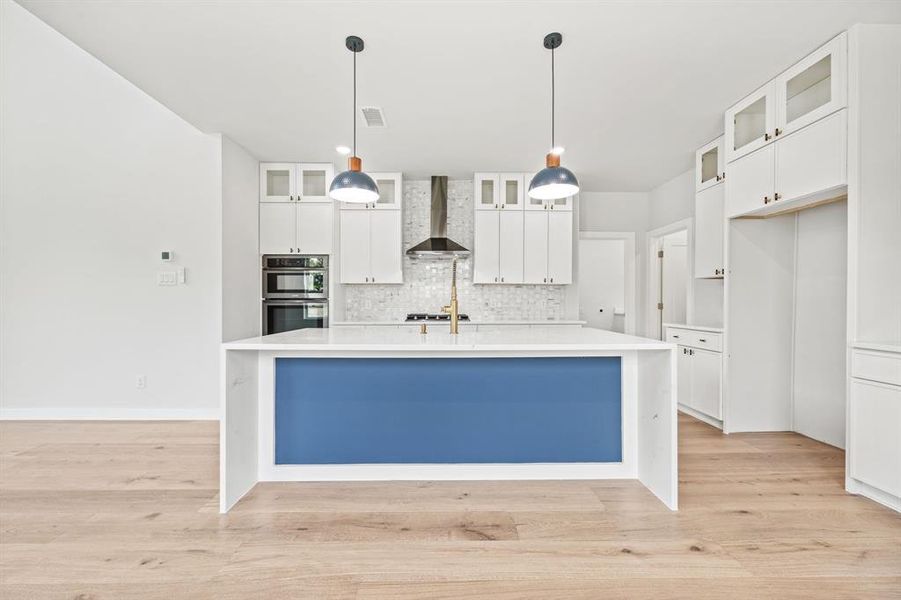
(873, 365)
(695, 339)
(875, 435)
(707, 340)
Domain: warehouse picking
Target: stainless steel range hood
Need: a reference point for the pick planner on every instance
(438, 245)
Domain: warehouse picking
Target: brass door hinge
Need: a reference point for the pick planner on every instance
(660, 254)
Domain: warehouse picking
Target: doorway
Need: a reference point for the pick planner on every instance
(670, 275)
(606, 278)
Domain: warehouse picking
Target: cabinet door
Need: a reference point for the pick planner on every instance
(709, 227)
(510, 246)
(486, 188)
(683, 374)
(874, 449)
(814, 87)
(486, 247)
(511, 191)
(277, 182)
(751, 182)
(813, 159)
(354, 235)
(750, 124)
(385, 246)
(535, 245)
(530, 203)
(277, 228)
(390, 190)
(709, 163)
(315, 223)
(706, 374)
(313, 181)
(558, 204)
(560, 248)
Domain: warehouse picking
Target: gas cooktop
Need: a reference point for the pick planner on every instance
(432, 317)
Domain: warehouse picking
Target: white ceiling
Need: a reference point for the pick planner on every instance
(464, 85)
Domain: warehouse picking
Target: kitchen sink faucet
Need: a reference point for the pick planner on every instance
(453, 309)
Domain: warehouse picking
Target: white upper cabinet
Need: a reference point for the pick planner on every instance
(510, 246)
(277, 182)
(535, 250)
(385, 247)
(390, 190)
(371, 235)
(486, 188)
(813, 160)
(511, 191)
(751, 122)
(813, 88)
(314, 225)
(355, 266)
(313, 181)
(277, 228)
(710, 164)
(751, 182)
(486, 250)
(709, 225)
(559, 244)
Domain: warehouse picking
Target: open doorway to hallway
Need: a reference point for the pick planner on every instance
(669, 276)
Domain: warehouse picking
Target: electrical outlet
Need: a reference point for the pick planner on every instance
(141, 382)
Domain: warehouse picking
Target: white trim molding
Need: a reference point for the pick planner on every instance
(109, 414)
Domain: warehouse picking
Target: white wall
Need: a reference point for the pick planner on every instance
(240, 243)
(97, 179)
(821, 287)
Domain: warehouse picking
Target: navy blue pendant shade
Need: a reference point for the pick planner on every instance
(551, 183)
(355, 187)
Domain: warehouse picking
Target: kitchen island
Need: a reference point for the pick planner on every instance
(355, 403)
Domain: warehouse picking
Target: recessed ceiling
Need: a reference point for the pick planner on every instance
(464, 86)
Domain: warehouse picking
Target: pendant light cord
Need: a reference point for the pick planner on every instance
(553, 82)
(354, 111)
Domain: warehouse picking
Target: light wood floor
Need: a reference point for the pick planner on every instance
(128, 510)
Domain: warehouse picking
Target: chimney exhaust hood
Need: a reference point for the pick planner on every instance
(438, 245)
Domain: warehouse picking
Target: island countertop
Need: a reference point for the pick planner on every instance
(439, 339)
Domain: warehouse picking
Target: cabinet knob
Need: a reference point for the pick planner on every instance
(502, 280)
(766, 199)
(495, 206)
(495, 280)
(691, 352)
(767, 137)
(675, 337)
(724, 175)
(702, 340)
(373, 280)
(777, 196)
(552, 207)
(367, 280)
(545, 280)
(291, 250)
(717, 177)
(552, 280)
(778, 132)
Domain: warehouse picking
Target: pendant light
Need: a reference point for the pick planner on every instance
(353, 185)
(553, 181)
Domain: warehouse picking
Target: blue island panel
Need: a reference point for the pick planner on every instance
(457, 410)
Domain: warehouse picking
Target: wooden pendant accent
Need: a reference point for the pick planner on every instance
(354, 163)
(552, 160)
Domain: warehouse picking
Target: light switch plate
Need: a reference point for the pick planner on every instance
(166, 278)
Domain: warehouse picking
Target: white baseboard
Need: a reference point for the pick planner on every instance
(855, 486)
(701, 416)
(446, 472)
(109, 414)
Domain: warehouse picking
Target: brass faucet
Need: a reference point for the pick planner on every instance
(453, 308)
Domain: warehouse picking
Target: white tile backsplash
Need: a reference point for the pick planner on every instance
(426, 284)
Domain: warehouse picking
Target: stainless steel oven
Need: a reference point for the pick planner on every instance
(295, 292)
(288, 315)
(295, 277)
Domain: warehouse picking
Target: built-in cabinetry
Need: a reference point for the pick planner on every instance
(371, 235)
(296, 214)
(710, 194)
(874, 418)
(700, 371)
(786, 143)
(519, 239)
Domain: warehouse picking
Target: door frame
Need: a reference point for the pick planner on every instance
(652, 271)
(629, 325)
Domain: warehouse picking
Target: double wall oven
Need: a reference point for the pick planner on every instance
(295, 292)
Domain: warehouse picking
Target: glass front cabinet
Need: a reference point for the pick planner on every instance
(813, 88)
(710, 164)
(289, 182)
(487, 191)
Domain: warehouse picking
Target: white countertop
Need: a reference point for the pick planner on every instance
(439, 339)
(431, 323)
(695, 327)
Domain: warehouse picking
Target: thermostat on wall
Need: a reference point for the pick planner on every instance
(167, 255)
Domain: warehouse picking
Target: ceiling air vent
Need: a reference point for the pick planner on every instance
(373, 116)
